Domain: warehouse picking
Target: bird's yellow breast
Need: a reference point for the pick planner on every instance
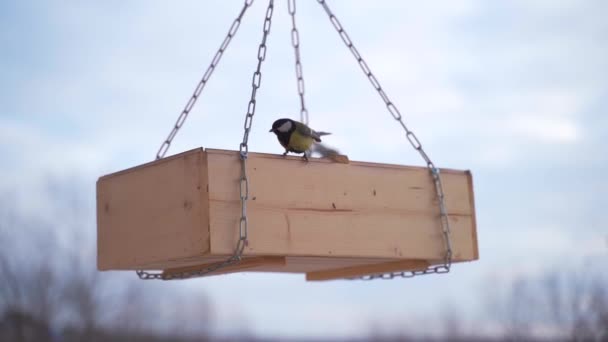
(299, 142)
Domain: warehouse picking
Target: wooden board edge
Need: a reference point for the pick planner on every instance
(100, 265)
(363, 270)
(274, 156)
(473, 215)
(204, 259)
(205, 209)
(141, 166)
(241, 266)
(327, 161)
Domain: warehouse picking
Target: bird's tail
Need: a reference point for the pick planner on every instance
(317, 135)
(327, 152)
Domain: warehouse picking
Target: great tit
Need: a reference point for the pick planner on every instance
(296, 137)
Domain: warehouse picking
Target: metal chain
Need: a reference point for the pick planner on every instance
(244, 182)
(255, 83)
(164, 147)
(411, 137)
(295, 42)
(243, 147)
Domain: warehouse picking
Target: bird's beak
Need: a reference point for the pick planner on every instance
(271, 130)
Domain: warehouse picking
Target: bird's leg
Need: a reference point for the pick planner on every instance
(285, 154)
(305, 157)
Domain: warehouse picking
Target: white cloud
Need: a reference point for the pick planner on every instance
(530, 249)
(544, 129)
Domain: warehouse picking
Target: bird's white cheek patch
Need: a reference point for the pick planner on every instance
(285, 127)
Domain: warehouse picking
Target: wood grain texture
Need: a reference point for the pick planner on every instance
(328, 209)
(153, 212)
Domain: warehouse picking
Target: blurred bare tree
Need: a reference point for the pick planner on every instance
(570, 304)
(50, 289)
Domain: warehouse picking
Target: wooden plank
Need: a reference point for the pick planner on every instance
(244, 265)
(322, 208)
(312, 264)
(363, 270)
(359, 234)
(153, 212)
(292, 264)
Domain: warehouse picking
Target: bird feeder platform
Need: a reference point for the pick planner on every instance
(325, 219)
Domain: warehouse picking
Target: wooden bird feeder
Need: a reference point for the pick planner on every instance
(327, 220)
(186, 215)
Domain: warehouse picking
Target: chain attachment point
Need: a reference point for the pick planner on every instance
(162, 151)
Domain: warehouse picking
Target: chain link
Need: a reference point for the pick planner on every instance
(411, 137)
(164, 147)
(244, 181)
(255, 85)
(295, 42)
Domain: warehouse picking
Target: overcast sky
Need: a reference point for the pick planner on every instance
(516, 92)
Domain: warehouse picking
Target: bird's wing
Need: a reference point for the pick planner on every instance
(307, 131)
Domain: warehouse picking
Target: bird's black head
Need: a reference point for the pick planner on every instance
(283, 126)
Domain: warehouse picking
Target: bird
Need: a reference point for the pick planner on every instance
(297, 137)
